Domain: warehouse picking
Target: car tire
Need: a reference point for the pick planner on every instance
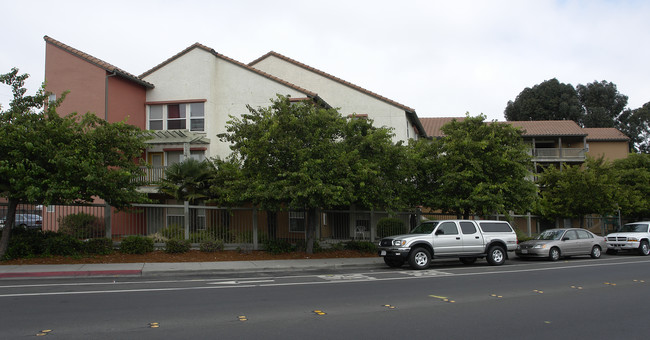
(644, 249)
(393, 262)
(611, 251)
(419, 258)
(467, 260)
(554, 254)
(595, 252)
(496, 256)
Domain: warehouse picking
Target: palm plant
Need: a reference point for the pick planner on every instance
(187, 180)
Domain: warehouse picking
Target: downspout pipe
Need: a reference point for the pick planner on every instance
(113, 74)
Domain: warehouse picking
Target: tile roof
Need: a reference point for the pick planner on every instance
(174, 136)
(539, 128)
(605, 134)
(240, 64)
(331, 77)
(97, 62)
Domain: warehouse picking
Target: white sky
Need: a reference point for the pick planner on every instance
(442, 58)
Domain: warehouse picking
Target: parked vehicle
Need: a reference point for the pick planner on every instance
(556, 243)
(632, 236)
(31, 221)
(465, 239)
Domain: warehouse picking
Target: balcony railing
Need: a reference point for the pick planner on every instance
(153, 174)
(556, 154)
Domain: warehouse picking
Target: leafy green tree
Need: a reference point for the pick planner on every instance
(632, 176)
(575, 191)
(49, 159)
(305, 157)
(602, 104)
(550, 100)
(636, 125)
(188, 180)
(477, 168)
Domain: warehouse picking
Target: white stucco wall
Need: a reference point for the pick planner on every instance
(227, 87)
(347, 99)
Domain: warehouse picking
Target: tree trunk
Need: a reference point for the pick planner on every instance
(312, 219)
(9, 223)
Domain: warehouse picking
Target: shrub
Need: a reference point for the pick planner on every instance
(81, 226)
(362, 246)
(278, 247)
(521, 236)
(211, 246)
(177, 246)
(173, 231)
(100, 246)
(136, 245)
(27, 243)
(64, 245)
(200, 236)
(390, 226)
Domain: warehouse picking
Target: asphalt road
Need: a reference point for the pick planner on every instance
(577, 298)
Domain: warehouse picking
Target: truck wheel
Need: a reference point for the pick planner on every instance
(496, 255)
(468, 260)
(595, 252)
(419, 258)
(554, 254)
(644, 249)
(392, 262)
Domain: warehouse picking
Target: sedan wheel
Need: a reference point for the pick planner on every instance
(595, 252)
(554, 254)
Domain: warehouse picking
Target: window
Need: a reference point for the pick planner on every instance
(468, 228)
(297, 221)
(582, 234)
(495, 227)
(177, 116)
(447, 228)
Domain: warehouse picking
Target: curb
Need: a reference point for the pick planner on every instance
(77, 273)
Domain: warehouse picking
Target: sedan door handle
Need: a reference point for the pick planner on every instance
(458, 238)
(476, 237)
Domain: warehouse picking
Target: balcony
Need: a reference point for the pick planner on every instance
(152, 174)
(559, 155)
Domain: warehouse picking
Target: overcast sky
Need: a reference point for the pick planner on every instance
(442, 58)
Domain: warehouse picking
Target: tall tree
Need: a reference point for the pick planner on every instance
(636, 125)
(301, 156)
(602, 104)
(49, 159)
(632, 175)
(483, 169)
(550, 100)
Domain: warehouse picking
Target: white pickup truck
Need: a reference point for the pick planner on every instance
(464, 239)
(632, 236)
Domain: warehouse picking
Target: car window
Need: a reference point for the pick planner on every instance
(634, 228)
(550, 235)
(570, 235)
(424, 228)
(468, 228)
(583, 234)
(495, 227)
(447, 228)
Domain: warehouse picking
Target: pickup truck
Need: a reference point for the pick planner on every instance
(465, 239)
(632, 236)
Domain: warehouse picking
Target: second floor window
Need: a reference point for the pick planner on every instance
(181, 116)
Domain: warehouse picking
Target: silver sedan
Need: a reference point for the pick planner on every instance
(556, 243)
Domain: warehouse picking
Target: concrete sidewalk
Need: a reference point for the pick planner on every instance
(182, 268)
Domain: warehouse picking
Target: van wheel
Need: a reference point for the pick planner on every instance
(496, 255)
(419, 258)
(644, 249)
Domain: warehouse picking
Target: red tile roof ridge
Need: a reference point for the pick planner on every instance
(96, 61)
(238, 63)
(334, 78)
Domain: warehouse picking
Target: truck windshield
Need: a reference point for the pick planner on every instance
(424, 228)
(634, 228)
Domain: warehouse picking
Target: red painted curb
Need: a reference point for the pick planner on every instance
(73, 273)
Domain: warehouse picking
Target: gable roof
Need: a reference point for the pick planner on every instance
(605, 135)
(233, 61)
(409, 111)
(535, 128)
(98, 62)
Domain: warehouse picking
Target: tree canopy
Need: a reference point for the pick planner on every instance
(636, 125)
(549, 100)
(50, 159)
(300, 156)
(476, 168)
(632, 176)
(602, 104)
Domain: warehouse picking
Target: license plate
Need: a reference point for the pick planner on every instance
(383, 253)
(524, 251)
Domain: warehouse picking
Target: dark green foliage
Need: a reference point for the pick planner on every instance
(522, 236)
(173, 231)
(362, 246)
(99, 246)
(177, 246)
(64, 245)
(602, 104)
(82, 226)
(276, 247)
(211, 246)
(26, 243)
(136, 245)
(550, 100)
(636, 125)
(390, 226)
(187, 180)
